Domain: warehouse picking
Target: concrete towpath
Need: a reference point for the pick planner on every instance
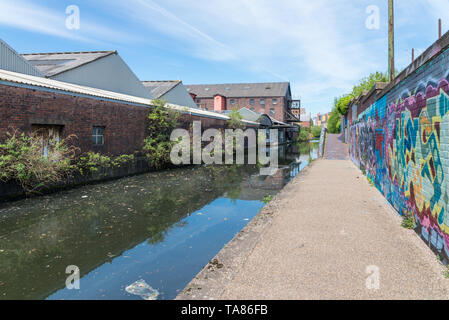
(328, 235)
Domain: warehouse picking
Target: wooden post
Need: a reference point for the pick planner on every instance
(439, 28)
(413, 55)
(391, 39)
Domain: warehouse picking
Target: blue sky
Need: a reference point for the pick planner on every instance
(322, 46)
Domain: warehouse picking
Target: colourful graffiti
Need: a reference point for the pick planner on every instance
(401, 142)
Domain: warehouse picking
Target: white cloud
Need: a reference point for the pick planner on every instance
(299, 40)
(322, 47)
(23, 14)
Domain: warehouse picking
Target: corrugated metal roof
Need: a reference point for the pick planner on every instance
(159, 88)
(240, 90)
(247, 114)
(29, 80)
(12, 61)
(51, 64)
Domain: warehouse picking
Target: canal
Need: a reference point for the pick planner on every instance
(145, 236)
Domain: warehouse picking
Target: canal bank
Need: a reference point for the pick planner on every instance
(314, 242)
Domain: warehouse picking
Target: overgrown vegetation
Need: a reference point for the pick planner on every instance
(161, 122)
(92, 162)
(22, 160)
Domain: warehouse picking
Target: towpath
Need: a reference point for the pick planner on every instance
(328, 235)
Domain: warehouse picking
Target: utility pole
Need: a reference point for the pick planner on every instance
(391, 39)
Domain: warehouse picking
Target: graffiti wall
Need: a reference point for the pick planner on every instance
(401, 143)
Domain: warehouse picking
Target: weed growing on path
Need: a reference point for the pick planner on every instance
(408, 222)
(267, 199)
(446, 273)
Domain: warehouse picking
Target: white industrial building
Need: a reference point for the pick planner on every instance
(104, 70)
(12, 61)
(172, 91)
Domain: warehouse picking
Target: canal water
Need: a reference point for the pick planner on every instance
(145, 236)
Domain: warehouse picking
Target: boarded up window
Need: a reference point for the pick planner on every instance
(48, 136)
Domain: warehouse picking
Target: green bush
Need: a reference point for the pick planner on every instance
(365, 84)
(333, 124)
(161, 122)
(303, 136)
(91, 162)
(22, 160)
(316, 131)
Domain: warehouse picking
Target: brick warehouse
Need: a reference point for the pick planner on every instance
(27, 102)
(273, 99)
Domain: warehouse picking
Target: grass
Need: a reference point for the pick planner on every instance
(408, 222)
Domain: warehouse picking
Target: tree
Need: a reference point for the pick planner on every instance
(316, 131)
(333, 124)
(365, 84)
(342, 104)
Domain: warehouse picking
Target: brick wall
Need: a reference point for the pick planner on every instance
(279, 107)
(125, 125)
(401, 141)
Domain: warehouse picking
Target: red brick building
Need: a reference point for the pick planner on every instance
(274, 98)
(100, 121)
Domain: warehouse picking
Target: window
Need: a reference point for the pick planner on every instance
(198, 100)
(262, 102)
(272, 112)
(48, 135)
(98, 136)
(275, 101)
(232, 102)
(251, 102)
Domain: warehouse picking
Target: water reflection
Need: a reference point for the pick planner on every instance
(160, 227)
